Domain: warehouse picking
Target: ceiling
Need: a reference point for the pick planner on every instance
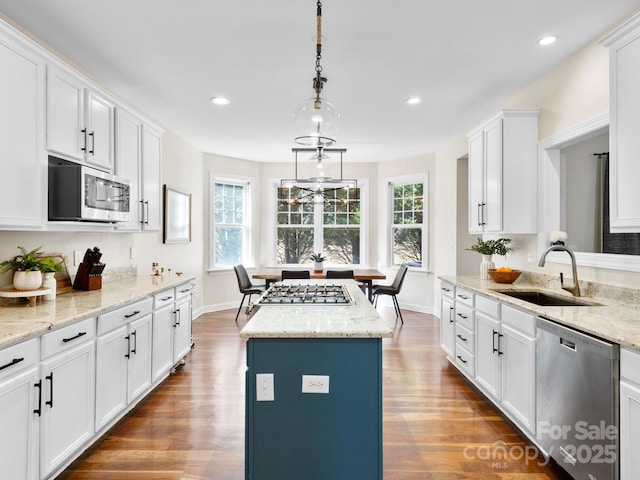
(464, 58)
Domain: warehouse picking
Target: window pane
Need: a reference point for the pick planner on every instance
(228, 246)
(294, 244)
(342, 245)
(407, 246)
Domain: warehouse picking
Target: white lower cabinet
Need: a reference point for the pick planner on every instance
(123, 359)
(182, 322)
(505, 359)
(162, 334)
(68, 393)
(19, 410)
(629, 414)
(447, 319)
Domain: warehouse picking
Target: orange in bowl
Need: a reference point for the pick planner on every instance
(504, 274)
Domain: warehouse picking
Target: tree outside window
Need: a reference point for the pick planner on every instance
(408, 223)
(230, 223)
(332, 227)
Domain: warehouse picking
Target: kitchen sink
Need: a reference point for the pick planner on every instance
(546, 300)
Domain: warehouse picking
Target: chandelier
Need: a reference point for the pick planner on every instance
(320, 186)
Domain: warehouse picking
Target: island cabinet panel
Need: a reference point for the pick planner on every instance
(335, 436)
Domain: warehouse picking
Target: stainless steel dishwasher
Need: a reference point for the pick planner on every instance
(577, 400)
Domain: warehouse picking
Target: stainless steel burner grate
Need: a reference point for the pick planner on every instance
(306, 294)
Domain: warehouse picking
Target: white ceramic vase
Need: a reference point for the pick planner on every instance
(50, 282)
(27, 280)
(485, 266)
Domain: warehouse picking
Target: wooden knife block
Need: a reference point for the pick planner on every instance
(84, 281)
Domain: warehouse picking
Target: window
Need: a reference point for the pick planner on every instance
(332, 226)
(231, 230)
(408, 222)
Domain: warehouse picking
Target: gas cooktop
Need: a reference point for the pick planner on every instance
(306, 294)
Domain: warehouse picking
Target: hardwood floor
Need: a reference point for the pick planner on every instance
(436, 425)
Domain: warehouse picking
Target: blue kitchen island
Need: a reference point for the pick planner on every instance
(317, 435)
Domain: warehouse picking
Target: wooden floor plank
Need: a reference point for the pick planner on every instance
(436, 425)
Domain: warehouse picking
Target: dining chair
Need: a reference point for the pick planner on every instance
(392, 290)
(288, 274)
(245, 286)
(339, 274)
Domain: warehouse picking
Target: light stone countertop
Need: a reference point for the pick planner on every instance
(613, 319)
(357, 320)
(19, 322)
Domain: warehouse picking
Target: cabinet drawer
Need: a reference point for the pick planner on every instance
(447, 290)
(182, 291)
(163, 298)
(68, 337)
(523, 321)
(464, 316)
(464, 359)
(464, 337)
(488, 306)
(464, 296)
(18, 357)
(630, 365)
(123, 315)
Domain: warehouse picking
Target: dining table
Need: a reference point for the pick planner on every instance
(366, 276)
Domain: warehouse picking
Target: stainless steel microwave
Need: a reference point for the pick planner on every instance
(81, 193)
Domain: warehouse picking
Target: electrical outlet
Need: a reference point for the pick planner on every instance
(264, 387)
(315, 383)
(132, 252)
(77, 258)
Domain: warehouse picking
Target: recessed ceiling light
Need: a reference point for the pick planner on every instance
(547, 40)
(413, 101)
(220, 101)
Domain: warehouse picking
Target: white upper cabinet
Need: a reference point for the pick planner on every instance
(624, 141)
(502, 173)
(128, 162)
(80, 123)
(151, 198)
(21, 135)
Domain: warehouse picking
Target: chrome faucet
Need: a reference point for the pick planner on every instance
(575, 288)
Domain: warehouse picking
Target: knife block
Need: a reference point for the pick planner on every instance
(85, 280)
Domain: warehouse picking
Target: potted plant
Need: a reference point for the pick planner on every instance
(487, 249)
(28, 268)
(317, 261)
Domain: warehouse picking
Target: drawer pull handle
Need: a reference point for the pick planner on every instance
(84, 132)
(464, 297)
(451, 319)
(81, 334)
(185, 290)
(461, 338)
(444, 289)
(93, 143)
(128, 354)
(12, 363)
(39, 387)
(500, 352)
(462, 316)
(493, 343)
(462, 359)
(135, 312)
(50, 401)
(164, 299)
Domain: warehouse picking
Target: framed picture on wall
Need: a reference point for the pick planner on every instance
(177, 215)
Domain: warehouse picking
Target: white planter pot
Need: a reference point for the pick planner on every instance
(485, 265)
(27, 280)
(317, 266)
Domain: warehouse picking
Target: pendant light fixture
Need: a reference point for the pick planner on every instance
(316, 119)
(316, 125)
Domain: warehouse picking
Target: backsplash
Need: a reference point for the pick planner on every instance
(630, 297)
